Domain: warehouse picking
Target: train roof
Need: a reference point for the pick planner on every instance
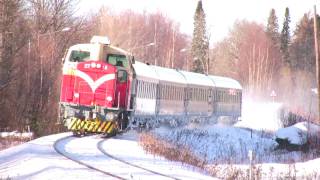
(169, 75)
(156, 74)
(144, 71)
(197, 79)
(225, 82)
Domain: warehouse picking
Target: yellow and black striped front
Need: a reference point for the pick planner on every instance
(93, 126)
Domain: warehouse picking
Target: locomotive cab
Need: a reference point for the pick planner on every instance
(95, 86)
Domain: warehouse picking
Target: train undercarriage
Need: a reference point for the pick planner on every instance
(83, 120)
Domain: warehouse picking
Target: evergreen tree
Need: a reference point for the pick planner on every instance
(302, 53)
(9, 13)
(200, 44)
(285, 38)
(273, 27)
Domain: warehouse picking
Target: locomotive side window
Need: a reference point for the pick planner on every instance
(122, 76)
(79, 56)
(117, 60)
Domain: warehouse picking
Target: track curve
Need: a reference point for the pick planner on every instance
(61, 152)
(100, 148)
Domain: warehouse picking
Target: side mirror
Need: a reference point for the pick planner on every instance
(132, 60)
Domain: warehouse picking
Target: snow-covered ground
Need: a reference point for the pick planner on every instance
(16, 134)
(37, 159)
(298, 133)
(225, 147)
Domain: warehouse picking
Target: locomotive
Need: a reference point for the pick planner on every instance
(104, 90)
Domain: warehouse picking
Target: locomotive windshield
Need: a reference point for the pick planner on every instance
(79, 56)
(117, 60)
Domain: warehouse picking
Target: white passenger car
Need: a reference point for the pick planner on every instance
(162, 92)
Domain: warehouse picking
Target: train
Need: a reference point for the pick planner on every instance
(105, 90)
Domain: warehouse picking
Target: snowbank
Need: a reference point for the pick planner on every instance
(297, 134)
(219, 143)
(16, 134)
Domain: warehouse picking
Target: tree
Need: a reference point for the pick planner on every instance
(140, 34)
(272, 31)
(285, 38)
(200, 44)
(10, 43)
(303, 65)
(47, 43)
(273, 27)
(247, 56)
(302, 48)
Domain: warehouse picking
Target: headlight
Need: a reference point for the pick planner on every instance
(110, 116)
(109, 98)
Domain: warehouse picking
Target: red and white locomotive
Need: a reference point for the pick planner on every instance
(105, 91)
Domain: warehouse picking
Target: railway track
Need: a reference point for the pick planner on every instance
(100, 147)
(128, 171)
(63, 153)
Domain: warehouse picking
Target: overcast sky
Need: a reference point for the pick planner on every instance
(220, 14)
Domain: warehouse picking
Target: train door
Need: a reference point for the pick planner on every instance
(210, 100)
(122, 88)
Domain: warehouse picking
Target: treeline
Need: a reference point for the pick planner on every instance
(271, 57)
(34, 35)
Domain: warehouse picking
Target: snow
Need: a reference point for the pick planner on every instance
(37, 159)
(260, 116)
(197, 79)
(226, 149)
(297, 134)
(16, 134)
(225, 82)
(220, 143)
(145, 72)
(170, 75)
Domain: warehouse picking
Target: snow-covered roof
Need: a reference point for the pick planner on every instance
(144, 71)
(170, 75)
(225, 82)
(197, 79)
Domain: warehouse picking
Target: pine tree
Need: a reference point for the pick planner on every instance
(302, 55)
(273, 27)
(200, 44)
(285, 38)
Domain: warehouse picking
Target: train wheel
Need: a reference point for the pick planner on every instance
(76, 133)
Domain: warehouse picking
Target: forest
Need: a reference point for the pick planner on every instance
(34, 35)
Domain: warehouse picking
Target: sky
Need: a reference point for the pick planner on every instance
(220, 15)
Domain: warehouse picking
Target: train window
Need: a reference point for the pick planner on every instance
(79, 56)
(192, 94)
(162, 92)
(117, 60)
(151, 93)
(122, 76)
(144, 90)
(142, 85)
(165, 91)
(147, 90)
(138, 88)
(196, 94)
